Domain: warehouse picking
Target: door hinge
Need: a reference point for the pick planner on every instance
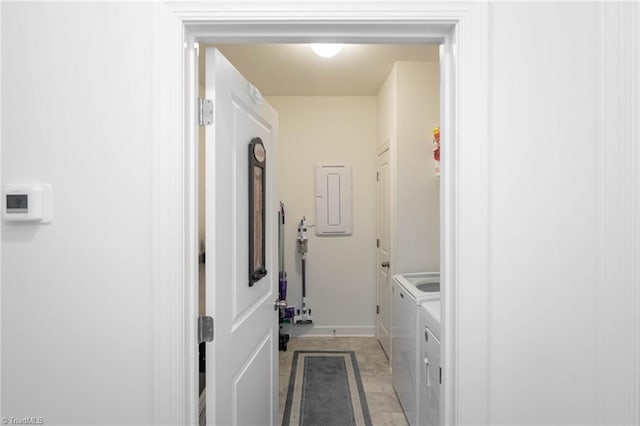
(377, 242)
(377, 309)
(205, 112)
(205, 329)
(378, 176)
(440, 375)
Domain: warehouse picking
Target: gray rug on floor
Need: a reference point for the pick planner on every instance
(325, 389)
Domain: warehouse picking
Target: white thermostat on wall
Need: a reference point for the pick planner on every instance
(27, 203)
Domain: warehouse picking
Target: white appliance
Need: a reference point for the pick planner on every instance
(409, 291)
(430, 368)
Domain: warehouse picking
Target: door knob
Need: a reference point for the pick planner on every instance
(385, 264)
(279, 304)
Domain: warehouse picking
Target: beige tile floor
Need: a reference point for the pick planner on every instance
(375, 372)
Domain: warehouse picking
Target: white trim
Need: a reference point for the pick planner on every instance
(448, 208)
(635, 135)
(191, 235)
(0, 226)
(169, 223)
(618, 302)
(468, 255)
(327, 331)
(175, 204)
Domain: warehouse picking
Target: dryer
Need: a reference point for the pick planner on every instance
(409, 291)
(430, 365)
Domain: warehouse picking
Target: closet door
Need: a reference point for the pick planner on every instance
(383, 275)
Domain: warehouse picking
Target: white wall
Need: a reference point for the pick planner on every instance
(544, 213)
(340, 270)
(415, 187)
(77, 293)
(408, 110)
(387, 111)
(563, 290)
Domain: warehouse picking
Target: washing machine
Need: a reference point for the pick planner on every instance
(409, 291)
(430, 364)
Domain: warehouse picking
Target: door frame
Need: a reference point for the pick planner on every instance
(462, 27)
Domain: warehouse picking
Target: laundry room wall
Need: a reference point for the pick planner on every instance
(340, 269)
(408, 110)
(415, 186)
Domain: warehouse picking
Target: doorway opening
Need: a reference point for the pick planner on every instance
(386, 135)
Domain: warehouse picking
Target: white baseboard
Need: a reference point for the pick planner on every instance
(312, 330)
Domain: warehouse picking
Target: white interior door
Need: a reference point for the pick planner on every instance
(241, 365)
(383, 319)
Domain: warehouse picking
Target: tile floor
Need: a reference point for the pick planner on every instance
(375, 372)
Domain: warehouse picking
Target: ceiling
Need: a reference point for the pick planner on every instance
(294, 70)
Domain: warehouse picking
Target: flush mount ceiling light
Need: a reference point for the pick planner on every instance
(326, 50)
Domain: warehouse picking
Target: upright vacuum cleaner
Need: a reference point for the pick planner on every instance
(282, 277)
(303, 315)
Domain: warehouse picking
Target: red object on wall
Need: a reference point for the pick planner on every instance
(436, 149)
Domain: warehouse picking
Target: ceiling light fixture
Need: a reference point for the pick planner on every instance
(326, 50)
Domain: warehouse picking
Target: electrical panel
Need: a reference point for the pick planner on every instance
(334, 215)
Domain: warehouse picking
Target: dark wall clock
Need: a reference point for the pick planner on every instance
(257, 169)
